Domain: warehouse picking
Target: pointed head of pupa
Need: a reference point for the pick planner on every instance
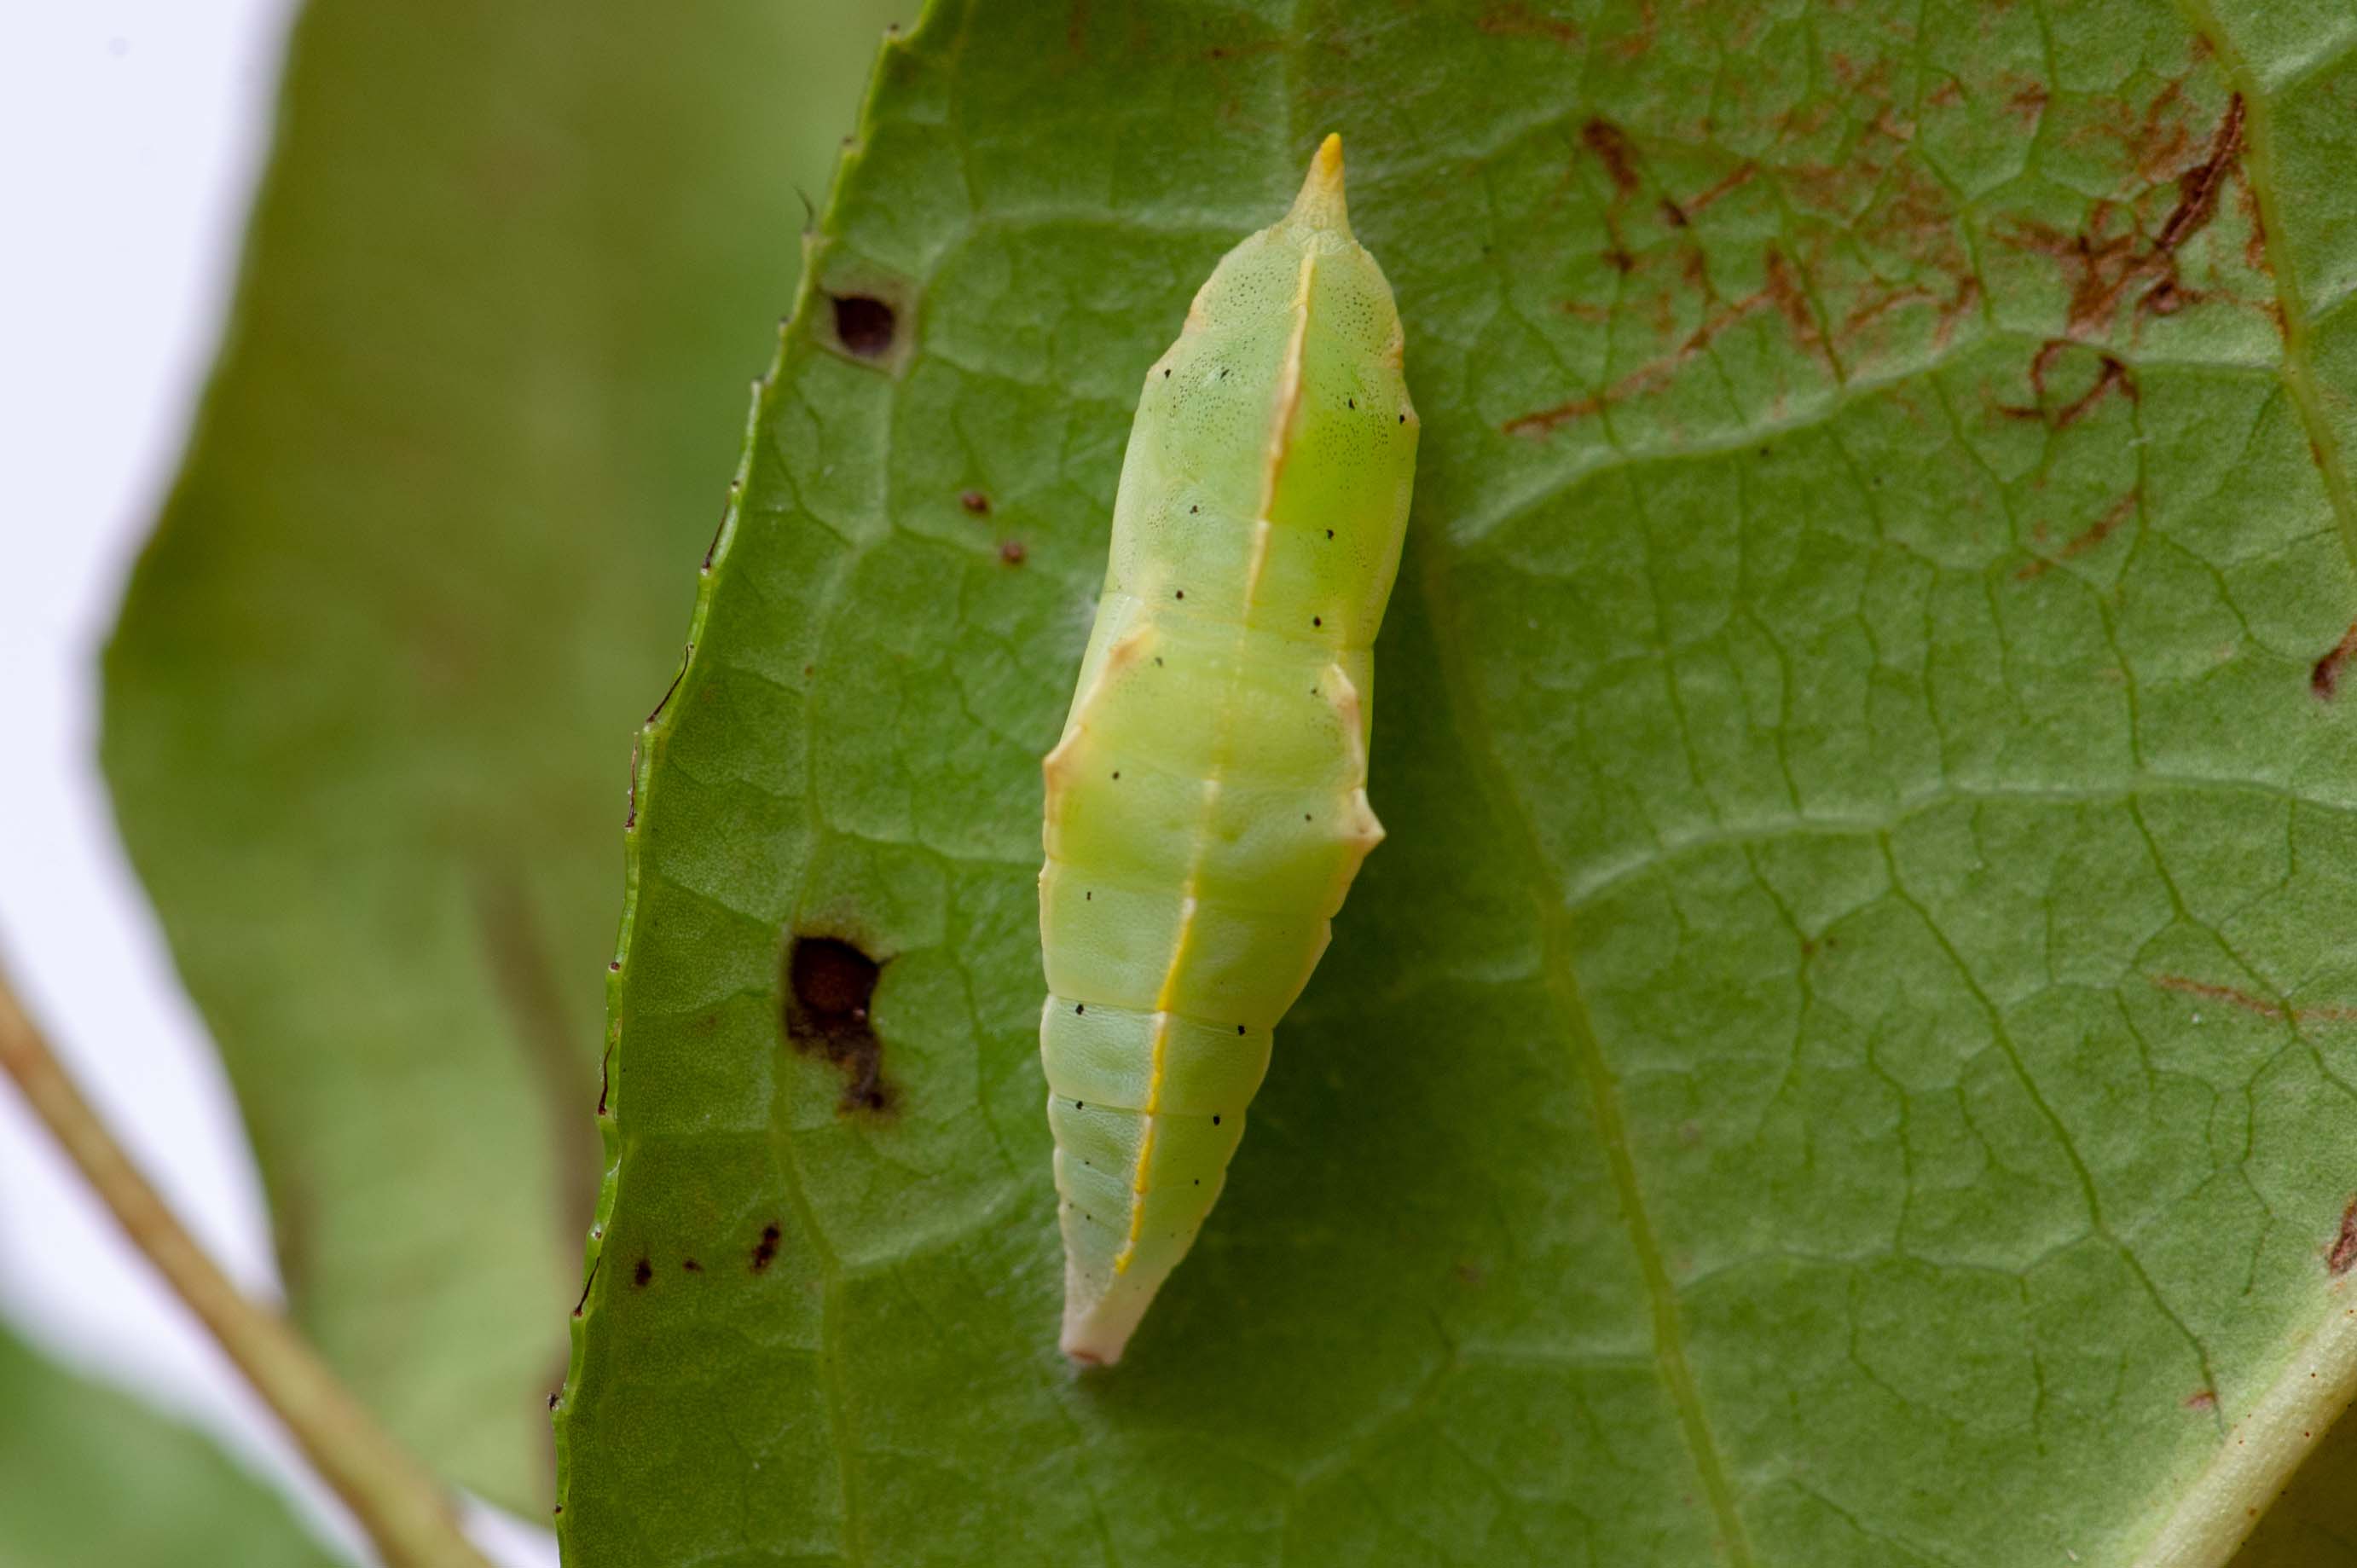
(1321, 203)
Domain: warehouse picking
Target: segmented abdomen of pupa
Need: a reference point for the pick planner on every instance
(1207, 806)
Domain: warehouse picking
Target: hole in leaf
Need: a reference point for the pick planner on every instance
(864, 325)
(829, 986)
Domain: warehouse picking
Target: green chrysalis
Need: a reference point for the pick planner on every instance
(1206, 805)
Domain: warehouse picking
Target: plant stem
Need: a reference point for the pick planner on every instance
(401, 1506)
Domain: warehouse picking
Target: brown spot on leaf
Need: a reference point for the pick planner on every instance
(2337, 1262)
(765, 1250)
(2233, 997)
(2325, 679)
(691, 1265)
(975, 502)
(1612, 145)
(864, 325)
(1783, 291)
(829, 986)
(2201, 1399)
(2197, 187)
(644, 1273)
(1012, 552)
(1519, 20)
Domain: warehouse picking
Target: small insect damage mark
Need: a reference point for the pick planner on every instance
(1519, 20)
(866, 327)
(1012, 552)
(2324, 680)
(689, 1265)
(2201, 1399)
(765, 1250)
(1618, 154)
(830, 984)
(2110, 376)
(643, 1275)
(2086, 539)
(1781, 291)
(975, 502)
(2343, 1255)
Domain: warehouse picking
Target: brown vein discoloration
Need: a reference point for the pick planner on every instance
(2107, 265)
(2086, 539)
(2233, 997)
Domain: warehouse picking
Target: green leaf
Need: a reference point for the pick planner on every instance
(93, 1478)
(1846, 1055)
(368, 710)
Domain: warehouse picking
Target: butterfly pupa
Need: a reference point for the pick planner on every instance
(1206, 805)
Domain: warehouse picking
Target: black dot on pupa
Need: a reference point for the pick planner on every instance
(1403, 419)
(1165, 376)
(1239, 1028)
(1215, 1120)
(1079, 1105)
(1080, 1007)
(1116, 772)
(1193, 509)
(1329, 533)
(1180, 595)
(1316, 620)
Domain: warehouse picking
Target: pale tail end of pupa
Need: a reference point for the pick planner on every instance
(1097, 1326)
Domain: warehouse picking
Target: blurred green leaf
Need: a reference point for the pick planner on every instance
(2314, 1523)
(93, 1478)
(1845, 1056)
(368, 709)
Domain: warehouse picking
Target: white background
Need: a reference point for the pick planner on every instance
(131, 135)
